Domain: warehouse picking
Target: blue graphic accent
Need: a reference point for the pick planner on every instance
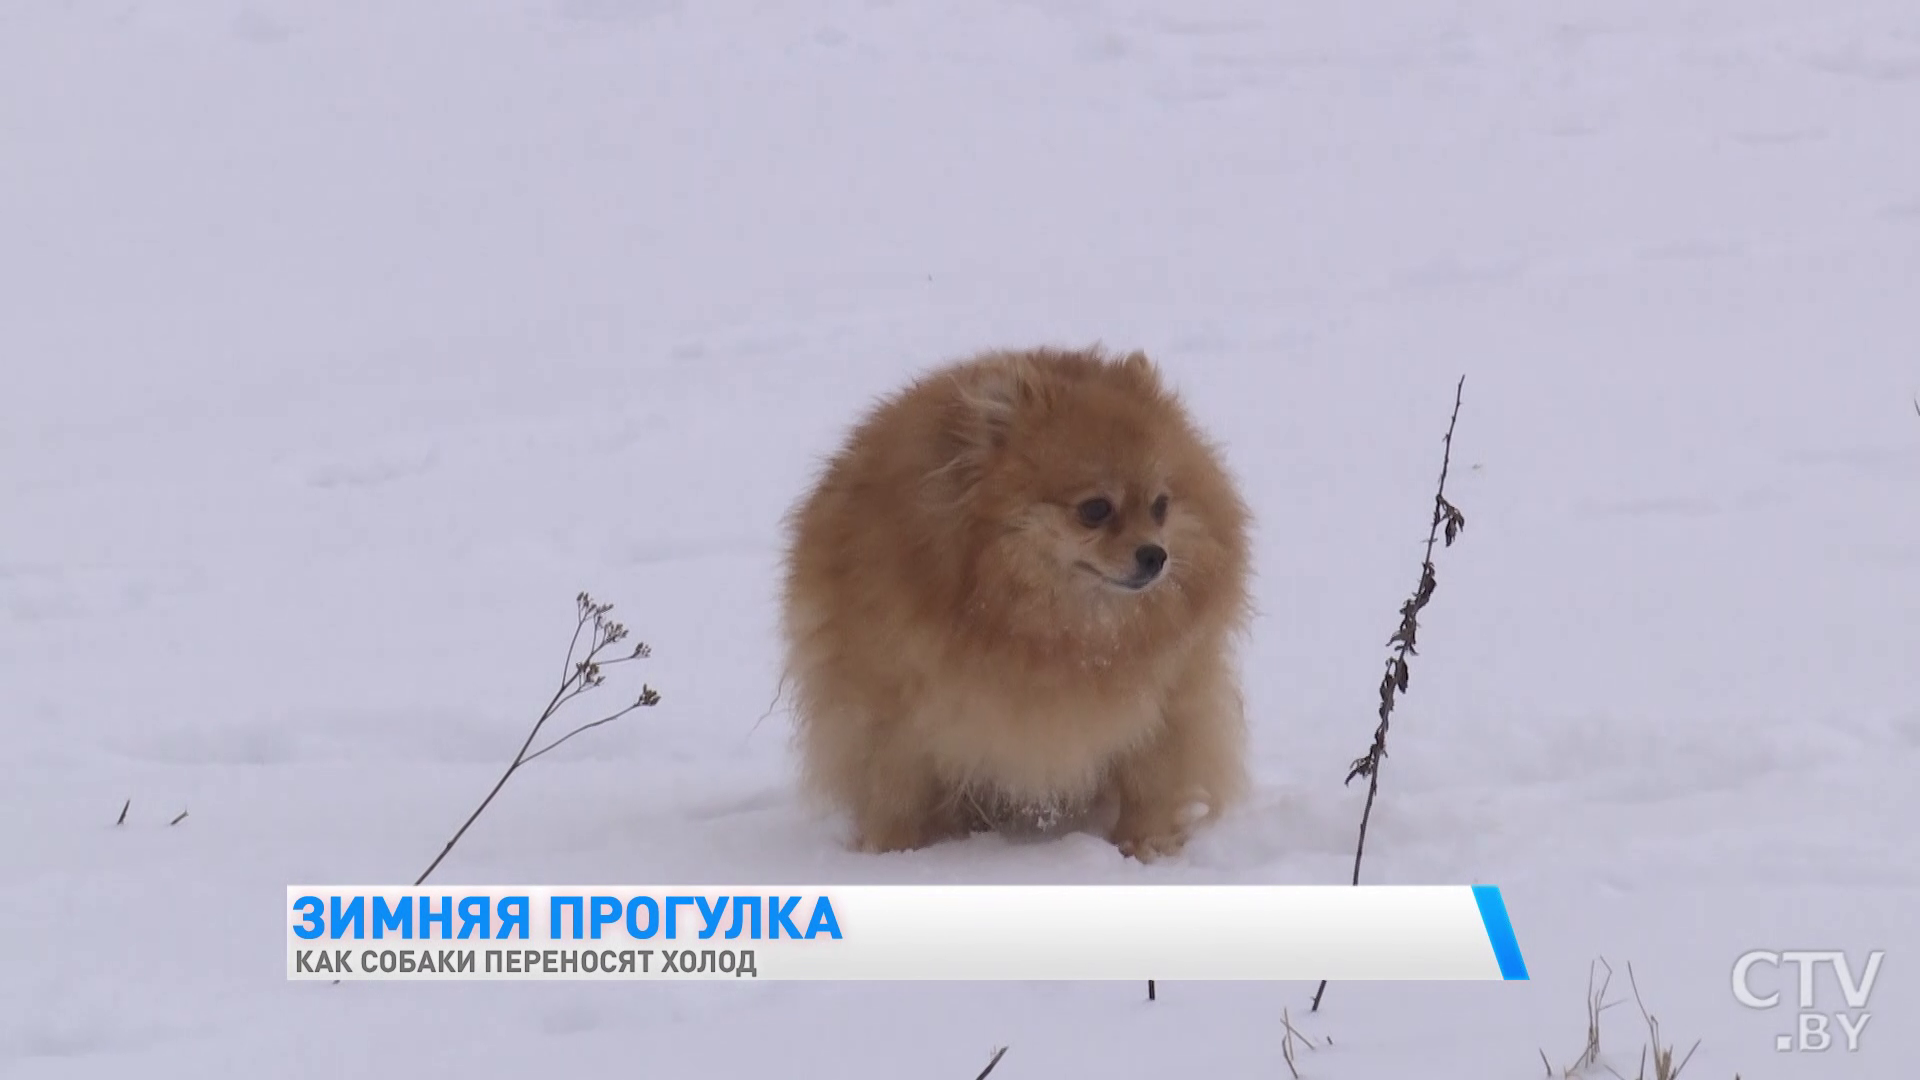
(1506, 947)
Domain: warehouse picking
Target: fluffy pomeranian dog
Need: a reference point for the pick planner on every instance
(1010, 605)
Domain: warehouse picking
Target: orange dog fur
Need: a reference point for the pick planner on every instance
(1010, 603)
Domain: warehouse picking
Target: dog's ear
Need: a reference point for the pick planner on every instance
(987, 403)
(1138, 367)
(994, 403)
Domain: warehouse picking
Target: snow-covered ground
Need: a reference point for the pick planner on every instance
(342, 343)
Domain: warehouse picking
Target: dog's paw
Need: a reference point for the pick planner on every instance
(1150, 830)
(1149, 848)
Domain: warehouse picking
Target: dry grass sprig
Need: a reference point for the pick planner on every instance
(1655, 1053)
(1597, 1004)
(1286, 1044)
(1664, 1067)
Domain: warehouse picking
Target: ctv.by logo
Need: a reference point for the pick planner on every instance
(1813, 1028)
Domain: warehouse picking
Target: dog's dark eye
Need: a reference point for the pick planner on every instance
(1094, 511)
(1160, 509)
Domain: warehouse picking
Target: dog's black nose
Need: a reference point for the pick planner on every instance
(1150, 558)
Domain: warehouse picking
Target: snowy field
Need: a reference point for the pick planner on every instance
(343, 343)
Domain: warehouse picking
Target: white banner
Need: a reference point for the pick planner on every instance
(903, 932)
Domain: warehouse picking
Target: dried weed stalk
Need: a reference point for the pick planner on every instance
(995, 1060)
(1448, 522)
(578, 677)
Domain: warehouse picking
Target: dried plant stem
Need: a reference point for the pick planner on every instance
(1447, 524)
(1664, 1067)
(579, 676)
(1286, 1044)
(997, 1055)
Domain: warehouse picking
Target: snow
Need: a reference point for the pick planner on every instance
(341, 344)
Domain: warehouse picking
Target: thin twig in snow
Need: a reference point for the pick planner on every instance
(1448, 521)
(578, 676)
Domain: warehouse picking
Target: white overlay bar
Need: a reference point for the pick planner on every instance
(903, 932)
